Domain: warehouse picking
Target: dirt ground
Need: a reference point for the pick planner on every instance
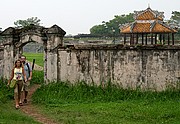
(31, 110)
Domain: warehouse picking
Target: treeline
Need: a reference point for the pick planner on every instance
(112, 27)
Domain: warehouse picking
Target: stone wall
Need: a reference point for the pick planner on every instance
(1, 61)
(13, 40)
(152, 67)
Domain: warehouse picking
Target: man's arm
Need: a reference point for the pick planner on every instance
(30, 76)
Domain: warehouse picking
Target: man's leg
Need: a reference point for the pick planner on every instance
(26, 86)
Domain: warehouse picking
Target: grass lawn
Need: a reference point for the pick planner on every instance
(37, 56)
(124, 112)
(9, 115)
(85, 104)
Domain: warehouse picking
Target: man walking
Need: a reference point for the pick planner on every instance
(28, 73)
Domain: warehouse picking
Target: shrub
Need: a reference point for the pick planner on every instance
(5, 92)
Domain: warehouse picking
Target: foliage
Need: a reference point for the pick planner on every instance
(113, 25)
(5, 92)
(27, 22)
(83, 103)
(38, 77)
(175, 23)
(175, 18)
(64, 92)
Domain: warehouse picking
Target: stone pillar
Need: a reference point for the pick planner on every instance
(8, 60)
(54, 40)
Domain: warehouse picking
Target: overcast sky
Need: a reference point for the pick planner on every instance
(77, 16)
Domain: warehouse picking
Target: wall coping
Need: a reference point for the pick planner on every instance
(119, 46)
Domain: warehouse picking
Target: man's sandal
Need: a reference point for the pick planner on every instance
(17, 106)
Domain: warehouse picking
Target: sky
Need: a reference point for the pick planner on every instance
(77, 16)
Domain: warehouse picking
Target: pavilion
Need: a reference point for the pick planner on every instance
(149, 28)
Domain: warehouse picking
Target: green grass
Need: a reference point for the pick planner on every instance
(9, 115)
(82, 103)
(124, 112)
(38, 77)
(5, 92)
(37, 56)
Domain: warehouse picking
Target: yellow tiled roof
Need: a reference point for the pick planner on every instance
(155, 27)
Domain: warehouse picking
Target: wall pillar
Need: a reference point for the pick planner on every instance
(54, 41)
(8, 60)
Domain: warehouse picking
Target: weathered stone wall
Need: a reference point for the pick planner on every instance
(1, 61)
(130, 67)
(13, 40)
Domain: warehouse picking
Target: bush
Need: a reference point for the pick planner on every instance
(5, 92)
(37, 77)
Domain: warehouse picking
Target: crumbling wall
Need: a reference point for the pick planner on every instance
(130, 67)
(1, 61)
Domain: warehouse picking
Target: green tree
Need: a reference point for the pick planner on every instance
(27, 22)
(175, 18)
(175, 23)
(108, 28)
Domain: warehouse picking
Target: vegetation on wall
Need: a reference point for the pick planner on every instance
(27, 22)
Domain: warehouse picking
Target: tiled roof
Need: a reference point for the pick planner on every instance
(147, 21)
(147, 27)
(148, 14)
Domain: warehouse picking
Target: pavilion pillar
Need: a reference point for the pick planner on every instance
(146, 39)
(152, 38)
(132, 38)
(155, 38)
(168, 39)
(142, 39)
(137, 38)
(124, 38)
(160, 38)
(172, 38)
(164, 39)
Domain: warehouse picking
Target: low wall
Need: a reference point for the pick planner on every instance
(1, 61)
(152, 67)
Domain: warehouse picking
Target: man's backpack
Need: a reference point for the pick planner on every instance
(28, 68)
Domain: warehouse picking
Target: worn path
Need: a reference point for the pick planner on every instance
(31, 110)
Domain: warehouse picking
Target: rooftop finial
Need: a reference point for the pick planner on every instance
(148, 5)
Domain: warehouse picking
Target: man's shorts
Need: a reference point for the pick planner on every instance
(26, 86)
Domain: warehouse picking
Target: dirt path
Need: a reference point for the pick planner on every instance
(31, 111)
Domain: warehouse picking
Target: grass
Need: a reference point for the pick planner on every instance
(82, 103)
(37, 56)
(9, 115)
(38, 77)
(124, 112)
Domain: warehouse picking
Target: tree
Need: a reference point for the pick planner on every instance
(108, 28)
(174, 22)
(27, 22)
